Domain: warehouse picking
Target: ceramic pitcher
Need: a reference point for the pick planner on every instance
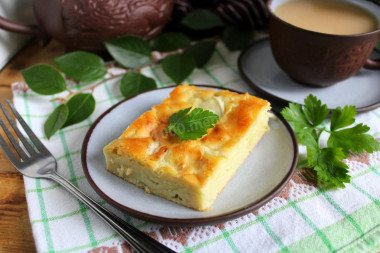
(86, 24)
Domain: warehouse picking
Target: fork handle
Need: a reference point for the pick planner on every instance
(137, 239)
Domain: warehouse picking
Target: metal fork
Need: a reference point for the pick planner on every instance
(37, 162)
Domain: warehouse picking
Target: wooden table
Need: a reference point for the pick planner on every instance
(15, 228)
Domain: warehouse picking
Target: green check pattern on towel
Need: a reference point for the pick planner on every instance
(302, 218)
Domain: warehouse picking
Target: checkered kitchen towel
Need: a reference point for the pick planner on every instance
(302, 218)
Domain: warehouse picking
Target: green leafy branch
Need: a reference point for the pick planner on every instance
(133, 53)
(307, 122)
(233, 37)
(178, 55)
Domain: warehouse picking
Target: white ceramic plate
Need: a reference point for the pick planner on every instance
(264, 173)
(260, 70)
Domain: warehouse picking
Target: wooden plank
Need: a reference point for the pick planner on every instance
(15, 229)
(6, 166)
(30, 55)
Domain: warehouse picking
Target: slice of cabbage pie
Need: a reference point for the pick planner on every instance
(191, 173)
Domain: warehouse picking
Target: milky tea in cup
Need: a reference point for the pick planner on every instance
(327, 16)
(321, 42)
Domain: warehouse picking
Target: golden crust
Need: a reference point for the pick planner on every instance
(191, 161)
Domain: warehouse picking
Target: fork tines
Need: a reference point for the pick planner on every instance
(26, 150)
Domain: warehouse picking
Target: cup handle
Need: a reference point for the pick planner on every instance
(33, 30)
(372, 64)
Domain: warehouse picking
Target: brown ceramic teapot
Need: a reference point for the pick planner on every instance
(85, 24)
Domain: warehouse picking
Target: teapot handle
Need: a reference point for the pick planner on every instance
(34, 30)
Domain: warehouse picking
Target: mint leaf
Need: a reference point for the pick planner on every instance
(237, 38)
(354, 139)
(314, 111)
(192, 125)
(81, 66)
(130, 51)
(331, 171)
(133, 83)
(56, 120)
(178, 66)
(176, 118)
(201, 51)
(342, 118)
(202, 20)
(44, 79)
(80, 107)
(169, 41)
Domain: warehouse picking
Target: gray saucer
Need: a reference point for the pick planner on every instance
(258, 180)
(261, 72)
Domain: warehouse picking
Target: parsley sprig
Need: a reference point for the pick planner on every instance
(191, 125)
(307, 120)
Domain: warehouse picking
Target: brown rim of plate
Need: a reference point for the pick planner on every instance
(276, 99)
(197, 221)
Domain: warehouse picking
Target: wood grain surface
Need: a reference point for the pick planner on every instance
(15, 229)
